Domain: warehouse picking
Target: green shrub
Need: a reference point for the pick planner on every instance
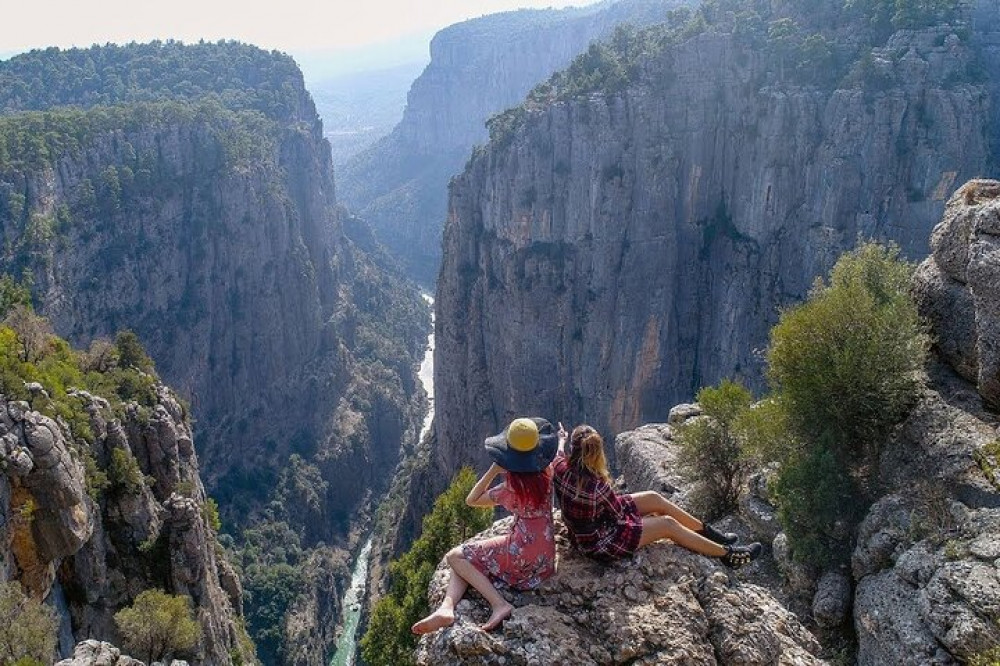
(210, 513)
(990, 657)
(131, 355)
(158, 625)
(818, 504)
(846, 362)
(712, 453)
(388, 641)
(124, 472)
(270, 592)
(845, 367)
(27, 628)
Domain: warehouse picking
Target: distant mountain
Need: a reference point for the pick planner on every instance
(478, 68)
(361, 107)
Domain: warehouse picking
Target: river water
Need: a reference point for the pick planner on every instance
(348, 642)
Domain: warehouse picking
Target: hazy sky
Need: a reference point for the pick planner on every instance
(291, 25)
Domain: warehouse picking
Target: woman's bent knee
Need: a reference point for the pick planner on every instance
(455, 553)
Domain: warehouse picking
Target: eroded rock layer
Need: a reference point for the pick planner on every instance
(96, 545)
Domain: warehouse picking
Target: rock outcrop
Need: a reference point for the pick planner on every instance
(607, 254)
(925, 565)
(98, 522)
(665, 606)
(956, 287)
(478, 68)
(97, 653)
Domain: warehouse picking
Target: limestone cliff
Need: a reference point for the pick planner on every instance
(616, 247)
(186, 192)
(211, 231)
(88, 525)
(478, 68)
(925, 565)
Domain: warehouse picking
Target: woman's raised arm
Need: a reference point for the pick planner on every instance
(477, 496)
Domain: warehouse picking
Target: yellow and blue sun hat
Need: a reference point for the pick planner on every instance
(526, 445)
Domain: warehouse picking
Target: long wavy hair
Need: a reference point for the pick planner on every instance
(531, 488)
(586, 452)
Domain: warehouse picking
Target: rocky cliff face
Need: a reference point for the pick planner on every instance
(193, 202)
(926, 561)
(923, 583)
(478, 68)
(609, 253)
(213, 234)
(91, 548)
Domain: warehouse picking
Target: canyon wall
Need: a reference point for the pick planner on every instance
(478, 68)
(618, 245)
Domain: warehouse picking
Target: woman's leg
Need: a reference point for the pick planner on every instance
(445, 613)
(474, 577)
(655, 528)
(653, 503)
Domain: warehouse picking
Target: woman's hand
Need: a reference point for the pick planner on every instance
(563, 436)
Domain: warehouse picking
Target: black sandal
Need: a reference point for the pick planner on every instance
(739, 556)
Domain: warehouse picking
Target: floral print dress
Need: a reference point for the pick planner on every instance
(526, 556)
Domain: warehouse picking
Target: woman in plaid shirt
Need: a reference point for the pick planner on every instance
(608, 526)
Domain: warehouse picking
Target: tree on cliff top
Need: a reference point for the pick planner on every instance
(158, 624)
(388, 641)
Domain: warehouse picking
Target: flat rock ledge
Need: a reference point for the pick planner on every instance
(664, 606)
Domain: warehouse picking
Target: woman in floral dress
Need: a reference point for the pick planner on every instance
(524, 557)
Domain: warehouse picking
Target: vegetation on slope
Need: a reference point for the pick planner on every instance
(826, 44)
(240, 76)
(27, 628)
(158, 625)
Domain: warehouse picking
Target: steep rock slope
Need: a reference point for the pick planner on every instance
(94, 514)
(617, 246)
(923, 585)
(928, 585)
(198, 210)
(478, 68)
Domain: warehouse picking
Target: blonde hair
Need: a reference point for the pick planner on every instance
(586, 452)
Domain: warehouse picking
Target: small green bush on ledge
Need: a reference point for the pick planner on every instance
(27, 628)
(158, 625)
(712, 450)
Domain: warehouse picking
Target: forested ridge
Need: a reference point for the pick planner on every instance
(826, 45)
(240, 76)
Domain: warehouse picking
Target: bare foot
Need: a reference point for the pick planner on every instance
(500, 614)
(437, 620)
